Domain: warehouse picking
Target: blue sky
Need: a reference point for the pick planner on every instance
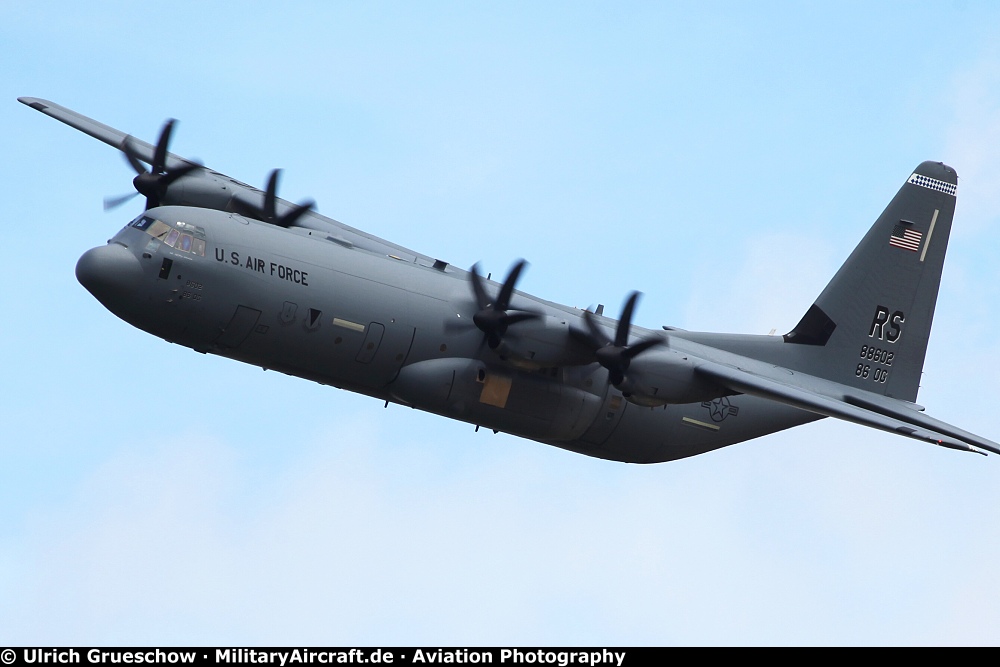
(723, 158)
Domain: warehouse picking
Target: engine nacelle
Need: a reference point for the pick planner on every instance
(543, 342)
(661, 376)
(204, 189)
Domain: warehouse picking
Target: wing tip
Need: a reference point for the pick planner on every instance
(35, 103)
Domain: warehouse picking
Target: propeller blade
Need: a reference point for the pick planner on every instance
(635, 349)
(507, 289)
(493, 317)
(615, 355)
(268, 212)
(115, 202)
(271, 196)
(160, 155)
(129, 152)
(625, 323)
(482, 300)
(169, 177)
(515, 316)
(597, 336)
(243, 208)
(152, 183)
(290, 218)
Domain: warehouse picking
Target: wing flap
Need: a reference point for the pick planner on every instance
(881, 414)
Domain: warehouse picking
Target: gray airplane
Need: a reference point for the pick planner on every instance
(223, 268)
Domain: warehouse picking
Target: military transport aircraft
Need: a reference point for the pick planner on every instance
(221, 267)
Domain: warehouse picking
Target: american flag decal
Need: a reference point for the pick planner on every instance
(904, 236)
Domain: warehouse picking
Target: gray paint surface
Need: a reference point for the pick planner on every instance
(329, 303)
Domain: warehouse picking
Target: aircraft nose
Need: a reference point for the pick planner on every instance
(109, 272)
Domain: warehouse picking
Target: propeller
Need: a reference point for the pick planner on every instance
(269, 212)
(151, 183)
(616, 355)
(494, 316)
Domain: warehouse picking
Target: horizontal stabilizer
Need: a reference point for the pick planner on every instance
(822, 398)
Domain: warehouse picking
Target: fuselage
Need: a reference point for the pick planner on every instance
(400, 330)
(224, 268)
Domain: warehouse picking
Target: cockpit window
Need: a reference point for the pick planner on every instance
(158, 230)
(181, 236)
(142, 222)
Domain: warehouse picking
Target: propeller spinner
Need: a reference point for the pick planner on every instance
(616, 355)
(151, 183)
(494, 316)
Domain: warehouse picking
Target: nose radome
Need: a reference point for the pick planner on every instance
(109, 272)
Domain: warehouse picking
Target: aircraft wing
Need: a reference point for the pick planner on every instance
(100, 131)
(831, 399)
(145, 151)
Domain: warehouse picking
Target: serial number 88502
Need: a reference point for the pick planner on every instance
(877, 354)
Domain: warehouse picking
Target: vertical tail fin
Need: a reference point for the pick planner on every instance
(869, 327)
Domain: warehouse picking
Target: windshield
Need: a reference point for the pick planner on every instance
(181, 236)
